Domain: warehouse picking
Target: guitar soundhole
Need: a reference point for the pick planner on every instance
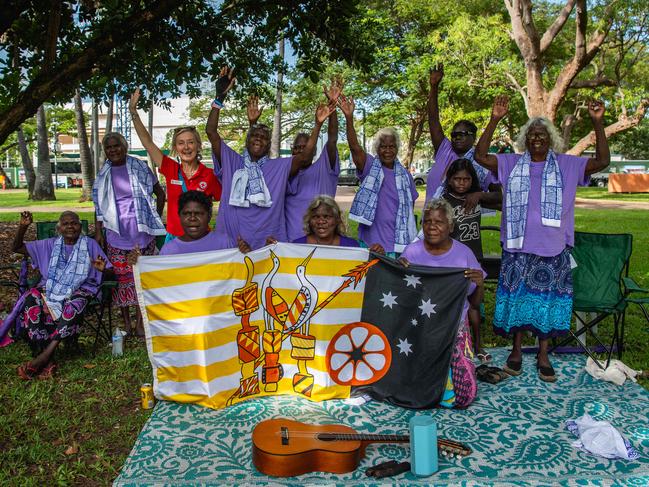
(327, 436)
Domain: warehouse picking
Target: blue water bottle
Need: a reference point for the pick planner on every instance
(423, 445)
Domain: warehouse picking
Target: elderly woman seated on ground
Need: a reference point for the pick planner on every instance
(71, 267)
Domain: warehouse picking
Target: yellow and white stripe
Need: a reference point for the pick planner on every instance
(191, 328)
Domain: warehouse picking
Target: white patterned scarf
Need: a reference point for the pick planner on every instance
(142, 181)
(64, 276)
(248, 184)
(517, 195)
(365, 202)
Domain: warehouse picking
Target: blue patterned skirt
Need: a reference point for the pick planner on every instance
(534, 294)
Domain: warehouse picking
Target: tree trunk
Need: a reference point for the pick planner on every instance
(416, 129)
(97, 150)
(276, 137)
(154, 168)
(26, 159)
(109, 115)
(85, 158)
(43, 186)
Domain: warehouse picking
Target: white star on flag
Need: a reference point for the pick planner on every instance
(414, 322)
(404, 347)
(427, 307)
(412, 280)
(388, 300)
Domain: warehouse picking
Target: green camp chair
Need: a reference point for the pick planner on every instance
(602, 263)
(48, 229)
(631, 290)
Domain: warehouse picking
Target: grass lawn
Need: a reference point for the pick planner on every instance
(79, 427)
(592, 192)
(64, 197)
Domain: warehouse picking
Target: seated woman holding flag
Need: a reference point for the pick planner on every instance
(71, 267)
(438, 249)
(384, 203)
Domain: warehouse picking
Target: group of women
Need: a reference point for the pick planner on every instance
(291, 199)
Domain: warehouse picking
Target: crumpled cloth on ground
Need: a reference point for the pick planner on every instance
(600, 438)
(616, 372)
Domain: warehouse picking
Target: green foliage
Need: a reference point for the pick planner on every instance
(633, 144)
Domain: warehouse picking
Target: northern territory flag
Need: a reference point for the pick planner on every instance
(418, 309)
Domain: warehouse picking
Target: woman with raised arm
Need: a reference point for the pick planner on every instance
(460, 146)
(126, 212)
(384, 203)
(254, 185)
(186, 174)
(71, 267)
(537, 229)
(318, 178)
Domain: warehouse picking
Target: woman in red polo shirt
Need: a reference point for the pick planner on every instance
(190, 174)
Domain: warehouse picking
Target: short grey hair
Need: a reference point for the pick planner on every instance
(439, 204)
(67, 213)
(382, 134)
(556, 141)
(114, 135)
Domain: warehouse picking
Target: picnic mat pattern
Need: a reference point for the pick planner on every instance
(515, 429)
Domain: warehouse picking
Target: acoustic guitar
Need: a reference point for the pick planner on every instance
(285, 448)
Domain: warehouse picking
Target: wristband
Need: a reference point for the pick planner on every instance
(216, 103)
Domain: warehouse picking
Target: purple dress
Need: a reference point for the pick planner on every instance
(444, 156)
(319, 178)
(212, 241)
(535, 284)
(344, 241)
(382, 229)
(39, 327)
(254, 224)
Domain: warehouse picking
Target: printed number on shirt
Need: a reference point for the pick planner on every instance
(469, 231)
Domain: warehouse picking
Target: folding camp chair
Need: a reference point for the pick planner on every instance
(491, 262)
(602, 263)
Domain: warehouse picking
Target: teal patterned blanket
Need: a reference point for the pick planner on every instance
(515, 429)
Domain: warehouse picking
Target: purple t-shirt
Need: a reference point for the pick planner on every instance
(211, 241)
(459, 255)
(444, 156)
(344, 241)
(40, 251)
(382, 229)
(319, 178)
(129, 236)
(254, 223)
(540, 239)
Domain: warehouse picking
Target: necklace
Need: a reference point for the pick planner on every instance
(189, 173)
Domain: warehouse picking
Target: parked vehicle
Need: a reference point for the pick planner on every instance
(348, 177)
(420, 177)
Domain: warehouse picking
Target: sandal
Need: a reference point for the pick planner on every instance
(546, 373)
(492, 375)
(48, 371)
(27, 372)
(513, 367)
(484, 357)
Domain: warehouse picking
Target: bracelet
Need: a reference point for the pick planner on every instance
(216, 103)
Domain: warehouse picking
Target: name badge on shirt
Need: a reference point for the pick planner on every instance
(176, 182)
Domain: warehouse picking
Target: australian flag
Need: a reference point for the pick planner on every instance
(418, 309)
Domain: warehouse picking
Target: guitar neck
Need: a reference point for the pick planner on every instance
(442, 444)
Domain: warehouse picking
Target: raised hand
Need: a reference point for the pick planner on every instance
(26, 218)
(335, 90)
(132, 103)
(225, 82)
(253, 110)
(436, 75)
(323, 111)
(596, 110)
(475, 276)
(500, 108)
(99, 263)
(347, 105)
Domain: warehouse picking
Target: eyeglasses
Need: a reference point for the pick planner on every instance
(461, 133)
